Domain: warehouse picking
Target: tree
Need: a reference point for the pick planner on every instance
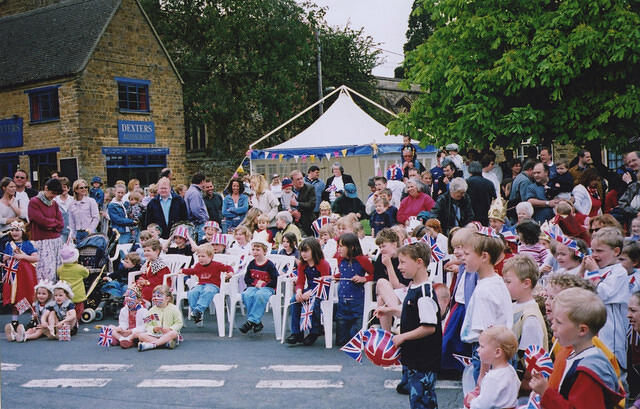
(505, 71)
(419, 30)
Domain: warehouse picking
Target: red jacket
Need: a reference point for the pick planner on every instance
(323, 267)
(366, 264)
(46, 221)
(209, 274)
(411, 206)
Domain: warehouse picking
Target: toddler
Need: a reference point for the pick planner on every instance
(562, 184)
(117, 281)
(529, 233)
(634, 231)
(34, 329)
(381, 218)
(630, 260)
(287, 194)
(61, 311)
(219, 243)
(163, 324)
(262, 228)
(326, 237)
(135, 212)
(74, 274)
(241, 245)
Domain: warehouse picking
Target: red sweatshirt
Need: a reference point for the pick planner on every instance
(208, 274)
(46, 221)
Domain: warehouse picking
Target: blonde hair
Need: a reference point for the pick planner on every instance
(327, 229)
(164, 289)
(244, 230)
(504, 338)
(401, 232)
(324, 205)
(382, 200)
(480, 243)
(153, 244)
(567, 280)
(261, 184)
(583, 307)
(523, 267)
(134, 258)
(609, 236)
(251, 219)
(132, 184)
(145, 235)
(77, 183)
(153, 189)
(460, 236)
(135, 196)
(262, 218)
(206, 248)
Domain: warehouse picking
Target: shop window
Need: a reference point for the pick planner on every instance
(133, 95)
(43, 104)
(614, 160)
(140, 163)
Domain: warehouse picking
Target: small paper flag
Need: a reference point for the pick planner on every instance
(296, 157)
(328, 155)
(280, 156)
(64, 333)
(22, 306)
(312, 158)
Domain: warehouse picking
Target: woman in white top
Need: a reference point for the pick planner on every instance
(83, 212)
(64, 202)
(336, 182)
(263, 199)
(9, 209)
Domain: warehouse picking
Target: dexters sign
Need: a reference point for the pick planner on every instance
(136, 132)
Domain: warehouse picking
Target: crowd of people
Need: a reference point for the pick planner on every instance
(530, 254)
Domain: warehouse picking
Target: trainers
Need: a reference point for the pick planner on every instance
(10, 332)
(126, 343)
(402, 389)
(20, 333)
(257, 327)
(200, 323)
(171, 344)
(144, 346)
(295, 338)
(197, 316)
(246, 327)
(310, 339)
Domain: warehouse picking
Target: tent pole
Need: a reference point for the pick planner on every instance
(373, 102)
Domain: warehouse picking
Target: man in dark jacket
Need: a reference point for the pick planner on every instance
(481, 191)
(303, 203)
(454, 208)
(213, 201)
(166, 208)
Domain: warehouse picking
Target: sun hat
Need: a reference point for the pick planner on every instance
(69, 254)
(181, 231)
(351, 190)
(96, 179)
(46, 284)
(452, 147)
(219, 238)
(212, 223)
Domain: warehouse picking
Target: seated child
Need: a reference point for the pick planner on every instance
(578, 315)
(219, 243)
(34, 329)
(153, 270)
(241, 245)
(529, 232)
(74, 274)
(60, 311)
(261, 279)
(163, 323)
(117, 281)
(289, 245)
(156, 233)
(630, 260)
(381, 218)
(634, 231)
(210, 228)
(562, 184)
(182, 242)
(568, 260)
(327, 242)
(208, 272)
(262, 228)
(499, 388)
(131, 318)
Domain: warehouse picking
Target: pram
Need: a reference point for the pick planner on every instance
(94, 254)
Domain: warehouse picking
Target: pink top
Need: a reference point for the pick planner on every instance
(411, 206)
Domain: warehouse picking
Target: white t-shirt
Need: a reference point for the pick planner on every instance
(531, 331)
(397, 188)
(459, 296)
(489, 305)
(427, 308)
(499, 389)
(23, 203)
(339, 184)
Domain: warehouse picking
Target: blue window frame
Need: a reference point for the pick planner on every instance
(43, 104)
(133, 94)
(136, 157)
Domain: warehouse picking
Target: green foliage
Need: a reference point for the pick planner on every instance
(501, 72)
(419, 29)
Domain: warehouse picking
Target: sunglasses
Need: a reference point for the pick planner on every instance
(82, 187)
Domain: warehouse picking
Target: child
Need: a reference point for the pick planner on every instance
(61, 311)
(500, 385)
(22, 287)
(261, 279)
(156, 231)
(325, 209)
(562, 184)
(568, 261)
(131, 318)
(287, 194)
(634, 350)
(251, 219)
(136, 213)
(117, 281)
(164, 322)
(355, 270)
(420, 338)
(326, 238)
(241, 245)
(634, 231)
(183, 243)
(529, 233)
(289, 245)
(153, 270)
(219, 243)
(570, 223)
(612, 286)
(589, 380)
(96, 192)
(381, 218)
(210, 228)
(262, 228)
(312, 265)
(208, 273)
(490, 304)
(74, 274)
(44, 294)
(406, 144)
(630, 260)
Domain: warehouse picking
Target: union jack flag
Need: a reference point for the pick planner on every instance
(394, 172)
(533, 403)
(353, 348)
(539, 359)
(22, 306)
(436, 253)
(150, 317)
(410, 240)
(596, 275)
(105, 338)
(489, 232)
(319, 223)
(509, 235)
(321, 290)
(331, 188)
(379, 347)
(556, 234)
(64, 333)
(305, 315)
(464, 360)
(10, 270)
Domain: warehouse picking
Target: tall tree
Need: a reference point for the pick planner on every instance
(505, 71)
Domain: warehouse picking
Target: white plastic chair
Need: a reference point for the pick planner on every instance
(369, 303)
(327, 306)
(369, 247)
(125, 248)
(176, 262)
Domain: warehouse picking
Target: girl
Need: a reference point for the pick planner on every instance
(289, 244)
(153, 269)
(210, 228)
(34, 330)
(329, 245)
(355, 270)
(251, 219)
(21, 287)
(61, 311)
(163, 322)
(630, 260)
(325, 209)
(183, 243)
(219, 243)
(313, 265)
(131, 318)
(241, 245)
(73, 274)
(262, 228)
(529, 234)
(567, 259)
(117, 281)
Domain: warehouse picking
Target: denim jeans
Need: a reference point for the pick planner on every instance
(125, 238)
(198, 231)
(255, 301)
(81, 235)
(201, 295)
(422, 389)
(348, 319)
(296, 310)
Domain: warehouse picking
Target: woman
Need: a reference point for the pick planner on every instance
(64, 202)
(415, 202)
(586, 198)
(336, 182)
(284, 223)
(46, 225)
(263, 199)
(427, 179)
(9, 209)
(131, 187)
(83, 212)
(117, 210)
(516, 167)
(234, 206)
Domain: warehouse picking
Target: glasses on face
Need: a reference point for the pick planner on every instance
(82, 187)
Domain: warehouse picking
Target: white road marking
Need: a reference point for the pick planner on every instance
(394, 368)
(180, 383)
(93, 367)
(67, 383)
(299, 384)
(195, 367)
(391, 383)
(443, 384)
(9, 367)
(303, 368)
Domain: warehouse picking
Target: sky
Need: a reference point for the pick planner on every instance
(384, 20)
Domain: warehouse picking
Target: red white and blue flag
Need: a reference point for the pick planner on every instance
(379, 347)
(436, 253)
(596, 275)
(539, 360)
(64, 333)
(533, 403)
(105, 338)
(489, 232)
(353, 348)
(22, 306)
(319, 223)
(305, 315)
(509, 235)
(10, 270)
(321, 290)
(556, 234)
(464, 360)
(150, 317)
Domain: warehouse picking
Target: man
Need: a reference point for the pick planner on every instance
(23, 194)
(313, 179)
(166, 208)
(545, 157)
(506, 165)
(454, 208)
(213, 201)
(488, 165)
(537, 196)
(196, 208)
(481, 191)
(409, 162)
(303, 202)
(632, 167)
(166, 173)
(449, 172)
(521, 183)
(584, 162)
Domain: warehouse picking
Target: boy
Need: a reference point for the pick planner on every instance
(381, 218)
(210, 228)
(261, 279)
(287, 194)
(630, 260)
(562, 183)
(209, 276)
(420, 338)
(490, 304)
(406, 144)
(589, 380)
(96, 192)
(612, 286)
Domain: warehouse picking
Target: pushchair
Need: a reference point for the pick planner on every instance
(94, 255)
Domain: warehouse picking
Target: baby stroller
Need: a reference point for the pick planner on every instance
(94, 254)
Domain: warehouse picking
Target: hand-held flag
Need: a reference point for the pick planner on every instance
(105, 339)
(538, 359)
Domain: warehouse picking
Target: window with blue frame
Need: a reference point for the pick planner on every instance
(143, 164)
(133, 94)
(43, 104)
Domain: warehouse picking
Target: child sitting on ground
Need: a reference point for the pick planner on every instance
(61, 312)
(208, 272)
(210, 228)
(163, 323)
(131, 318)
(34, 329)
(74, 274)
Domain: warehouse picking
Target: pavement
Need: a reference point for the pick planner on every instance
(205, 371)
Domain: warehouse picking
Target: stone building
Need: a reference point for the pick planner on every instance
(87, 87)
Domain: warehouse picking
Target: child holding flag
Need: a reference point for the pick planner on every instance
(163, 323)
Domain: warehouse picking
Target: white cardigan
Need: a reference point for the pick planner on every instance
(582, 199)
(267, 203)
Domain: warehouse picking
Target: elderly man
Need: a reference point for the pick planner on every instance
(450, 171)
(454, 209)
(302, 203)
(196, 208)
(632, 167)
(536, 194)
(410, 162)
(166, 208)
(629, 203)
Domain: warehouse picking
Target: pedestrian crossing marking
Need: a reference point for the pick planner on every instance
(67, 383)
(93, 367)
(195, 367)
(9, 367)
(298, 384)
(303, 368)
(181, 383)
(441, 384)
(391, 383)
(394, 368)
